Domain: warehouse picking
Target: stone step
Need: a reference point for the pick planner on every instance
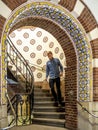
(49, 122)
(49, 109)
(41, 90)
(42, 94)
(50, 115)
(46, 103)
(40, 98)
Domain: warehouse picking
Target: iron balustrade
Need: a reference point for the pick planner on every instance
(24, 70)
(22, 109)
(22, 102)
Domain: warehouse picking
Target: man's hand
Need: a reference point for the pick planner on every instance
(61, 74)
(46, 79)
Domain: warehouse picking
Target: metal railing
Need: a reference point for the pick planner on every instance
(26, 71)
(12, 109)
(21, 104)
(71, 97)
(85, 109)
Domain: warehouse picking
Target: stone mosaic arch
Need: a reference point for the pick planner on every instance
(66, 21)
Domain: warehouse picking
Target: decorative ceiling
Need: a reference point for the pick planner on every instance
(33, 43)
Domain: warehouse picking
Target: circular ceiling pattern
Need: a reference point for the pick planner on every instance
(19, 42)
(51, 44)
(56, 50)
(39, 34)
(39, 75)
(45, 53)
(32, 55)
(30, 41)
(33, 68)
(39, 47)
(45, 39)
(26, 35)
(26, 48)
(39, 61)
(61, 56)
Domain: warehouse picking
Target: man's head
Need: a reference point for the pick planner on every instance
(50, 55)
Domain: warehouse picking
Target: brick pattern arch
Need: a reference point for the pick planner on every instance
(60, 16)
(89, 23)
(94, 44)
(76, 49)
(87, 20)
(2, 21)
(88, 27)
(68, 4)
(12, 4)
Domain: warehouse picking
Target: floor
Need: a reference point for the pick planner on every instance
(36, 127)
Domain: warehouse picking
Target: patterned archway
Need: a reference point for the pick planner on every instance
(78, 72)
(65, 20)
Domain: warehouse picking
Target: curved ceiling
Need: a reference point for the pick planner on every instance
(33, 43)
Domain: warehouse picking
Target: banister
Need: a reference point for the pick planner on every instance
(34, 65)
(28, 75)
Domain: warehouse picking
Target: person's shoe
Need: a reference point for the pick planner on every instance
(60, 104)
(56, 104)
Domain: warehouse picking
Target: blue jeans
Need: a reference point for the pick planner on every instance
(57, 96)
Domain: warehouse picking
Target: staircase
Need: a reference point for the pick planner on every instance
(45, 112)
(32, 105)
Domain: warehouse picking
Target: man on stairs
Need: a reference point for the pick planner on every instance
(54, 70)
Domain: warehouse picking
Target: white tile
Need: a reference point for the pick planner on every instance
(93, 34)
(78, 9)
(4, 10)
(95, 62)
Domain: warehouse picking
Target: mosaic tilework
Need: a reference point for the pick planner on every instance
(76, 32)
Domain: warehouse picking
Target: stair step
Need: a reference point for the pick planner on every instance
(49, 109)
(45, 103)
(51, 103)
(45, 112)
(42, 94)
(43, 98)
(49, 122)
(41, 90)
(51, 115)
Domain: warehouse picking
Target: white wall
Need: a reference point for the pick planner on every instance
(36, 41)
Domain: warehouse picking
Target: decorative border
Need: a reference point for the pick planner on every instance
(63, 18)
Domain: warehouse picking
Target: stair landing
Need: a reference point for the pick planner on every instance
(37, 127)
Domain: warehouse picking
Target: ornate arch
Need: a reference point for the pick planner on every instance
(67, 22)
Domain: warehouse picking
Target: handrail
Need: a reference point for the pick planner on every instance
(7, 96)
(71, 95)
(26, 72)
(34, 65)
(28, 80)
(85, 109)
(7, 128)
(11, 105)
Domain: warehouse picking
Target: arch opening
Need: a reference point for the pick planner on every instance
(72, 38)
